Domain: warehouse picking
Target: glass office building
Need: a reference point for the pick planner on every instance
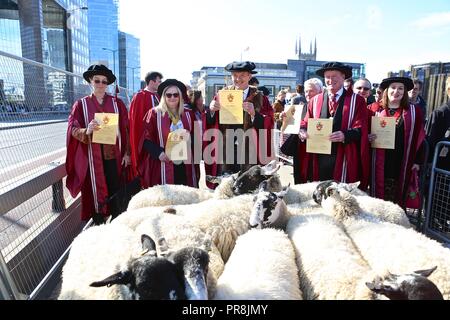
(103, 24)
(52, 32)
(129, 62)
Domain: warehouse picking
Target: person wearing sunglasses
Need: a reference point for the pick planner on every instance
(363, 87)
(155, 166)
(95, 169)
(143, 101)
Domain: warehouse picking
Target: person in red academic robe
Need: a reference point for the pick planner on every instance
(155, 166)
(256, 115)
(349, 160)
(391, 168)
(92, 168)
(143, 101)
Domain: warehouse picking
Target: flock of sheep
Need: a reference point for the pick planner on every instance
(251, 238)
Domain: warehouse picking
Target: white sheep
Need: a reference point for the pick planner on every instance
(329, 266)
(383, 210)
(178, 233)
(106, 262)
(94, 257)
(261, 267)
(387, 246)
(223, 219)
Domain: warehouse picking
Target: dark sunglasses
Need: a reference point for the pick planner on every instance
(170, 95)
(363, 88)
(100, 81)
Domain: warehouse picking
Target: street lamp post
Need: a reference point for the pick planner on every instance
(114, 57)
(133, 68)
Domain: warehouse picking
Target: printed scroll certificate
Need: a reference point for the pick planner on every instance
(318, 132)
(231, 111)
(176, 145)
(109, 124)
(293, 119)
(384, 128)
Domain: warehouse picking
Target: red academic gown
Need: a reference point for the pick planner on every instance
(142, 101)
(153, 171)
(414, 135)
(265, 110)
(353, 159)
(84, 162)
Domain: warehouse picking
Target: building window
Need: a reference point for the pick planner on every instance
(271, 90)
(218, 87)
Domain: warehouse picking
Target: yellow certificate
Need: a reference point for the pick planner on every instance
(384, 128)
(292, 121)
(231, 111)
(318, 132)
(109, 124)
(176, 145)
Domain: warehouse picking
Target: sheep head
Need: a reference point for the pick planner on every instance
(174, 275)
(248, 181)
(414, 286)
(338, 202)
(148, 277)
(268, 208)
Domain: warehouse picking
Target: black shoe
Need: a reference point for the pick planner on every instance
(98, 218)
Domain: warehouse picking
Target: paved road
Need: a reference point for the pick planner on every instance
(23, 144)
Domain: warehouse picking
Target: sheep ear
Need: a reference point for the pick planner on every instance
(207, 242)
(117, 278)
(352, 186)
(148, 245)
(263, 186)
(213, 179)
(163, 247)
(426, 273)
(271, 168)
(283, 192)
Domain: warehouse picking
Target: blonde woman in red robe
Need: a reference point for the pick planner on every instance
(391, 169)
(92, 168)
(349, 160)
(154, 164)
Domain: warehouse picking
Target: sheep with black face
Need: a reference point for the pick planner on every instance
(413, 286)
(135, 272)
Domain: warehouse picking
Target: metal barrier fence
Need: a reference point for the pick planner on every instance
(38, 218)
(437, 220)
(278, 139)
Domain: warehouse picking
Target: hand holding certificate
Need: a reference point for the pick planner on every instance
(293, 119)
(384, 129)
(176, 145)
(231, 111)
(108, 126)
(318, 132)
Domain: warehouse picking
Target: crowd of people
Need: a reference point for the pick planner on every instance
(98, 170)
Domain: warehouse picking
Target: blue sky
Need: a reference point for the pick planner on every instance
(180, 36)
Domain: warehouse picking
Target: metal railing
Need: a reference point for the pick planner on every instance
(38, 217)
(437, 219)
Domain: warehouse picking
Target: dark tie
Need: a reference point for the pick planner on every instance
(333, 104)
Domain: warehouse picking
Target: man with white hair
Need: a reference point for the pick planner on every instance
(349, 158)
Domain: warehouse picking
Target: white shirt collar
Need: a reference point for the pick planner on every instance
(338, 94)
(246, 92)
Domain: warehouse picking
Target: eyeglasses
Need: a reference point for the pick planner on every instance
(363, 88)
(100, 81)
(170, 95)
